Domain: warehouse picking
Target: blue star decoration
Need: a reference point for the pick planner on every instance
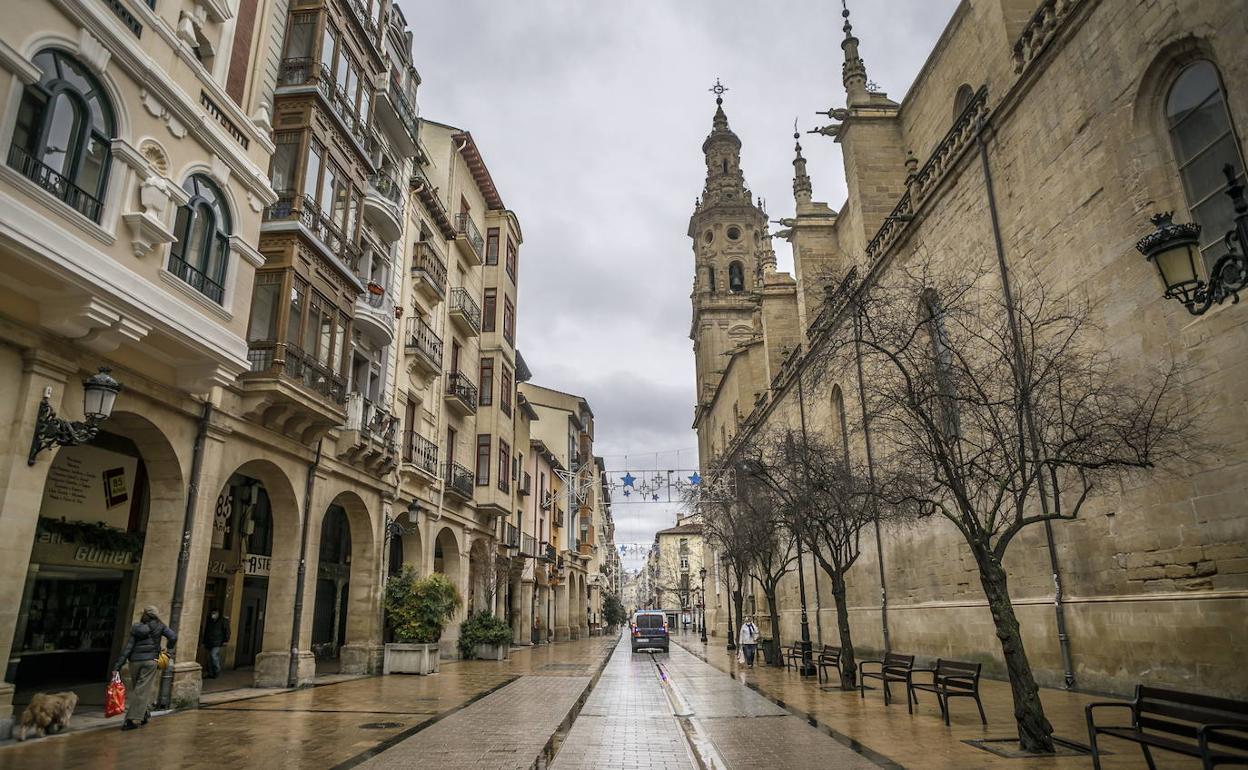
(695, 478)
(655, 497)
(628, 492)
(628, 479)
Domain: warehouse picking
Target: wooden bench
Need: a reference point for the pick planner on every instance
(1213, 729)
(894, 668)
(950, 679)
(792, 655)
(829, 657)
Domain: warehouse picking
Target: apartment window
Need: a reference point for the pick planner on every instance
(63, 134)
(491, 246)
(504, 392)
(483, 460)
(451, 438)
(300, 44)
(489, 309)
(504, 466)
(264, 306)
(486, 392)
(201, 248)
(284, 165)
(509, 321)
(328, 43)
(511, 260)
(312, 174)
(294, 320)
(1204, 141)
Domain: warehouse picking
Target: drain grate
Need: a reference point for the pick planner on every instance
(1008, 748)
(380, 725)
(565, 667)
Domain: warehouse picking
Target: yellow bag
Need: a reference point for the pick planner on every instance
(163, 661)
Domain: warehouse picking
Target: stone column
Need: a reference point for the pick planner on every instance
(448, 647)
(523, 628)
(562, 631)
(21, 490)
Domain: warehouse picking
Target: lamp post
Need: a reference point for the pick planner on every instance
(732, 644)
(702, 601)
(99, 393)
(1174, 250)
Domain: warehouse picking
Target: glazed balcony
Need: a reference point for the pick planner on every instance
(374, 315)
(384, 207)
(428, 272)
(420, 453)
(396, 116)
(459, 480)
(468, 239)
(423, 347)
(461, 394)
(465, 312)
(289, 392)
(293, 208)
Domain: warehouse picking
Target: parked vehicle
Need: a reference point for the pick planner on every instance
(649, 630)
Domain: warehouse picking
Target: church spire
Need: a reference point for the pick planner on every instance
(854, 71)
(722, 148)
(801, 182)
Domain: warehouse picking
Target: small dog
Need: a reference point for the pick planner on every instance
(47, 714)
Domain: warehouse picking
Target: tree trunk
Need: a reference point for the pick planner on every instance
(849, 666)
(1034, 731)
(738, 601)
(774, 613)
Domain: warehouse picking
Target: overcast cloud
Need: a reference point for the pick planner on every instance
(591, 116)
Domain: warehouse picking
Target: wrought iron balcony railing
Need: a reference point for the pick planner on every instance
(280, 359)
(292, 206)
(468, 229)
(459, 386)
(458, 479)
(511, 535)
(426, 260)
(53, 182)
(422, 339)
(462, 302)
(420, 451)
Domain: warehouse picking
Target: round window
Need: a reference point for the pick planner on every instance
(734, 233)
(710, 236)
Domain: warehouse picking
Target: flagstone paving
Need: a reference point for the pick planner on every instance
(922, 740)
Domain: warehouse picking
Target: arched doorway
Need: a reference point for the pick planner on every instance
(333, 583)
(343, 617)
(446, 555)
(253, 547)
(480, 572)
(103, 505)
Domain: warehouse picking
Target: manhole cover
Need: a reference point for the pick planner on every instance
(380, 725)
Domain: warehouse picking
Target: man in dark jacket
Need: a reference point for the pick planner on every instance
(141, 650)
(216, 635)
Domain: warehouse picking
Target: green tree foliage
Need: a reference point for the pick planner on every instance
(418, 609)
(482, 628)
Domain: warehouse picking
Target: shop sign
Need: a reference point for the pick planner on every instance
(86, 483)
(52, 549)
(221, 568)
(256, 565)
(90, 553)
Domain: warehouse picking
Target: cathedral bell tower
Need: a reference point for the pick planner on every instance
(731, 249)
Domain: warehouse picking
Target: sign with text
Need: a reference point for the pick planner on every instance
(256, 565)
(86, 483)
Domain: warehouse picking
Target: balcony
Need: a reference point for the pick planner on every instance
(547, 500)
(291, 393)
(293, 208)
(297, 72)
(525, 487)
(423, 347)
(459, 480)
(395, 114)
(384, 207)
(465, 312)
(420, 454)
(511, 535)
(468, 239)
(528, 545)
(548, 553)
(369, 435)
(54, 183)
(557, 520)
(428, 272)
(461, 394)
(374, 315)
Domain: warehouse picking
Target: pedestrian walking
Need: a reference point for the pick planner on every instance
(216, 635)
(142, 651)
(748, 639)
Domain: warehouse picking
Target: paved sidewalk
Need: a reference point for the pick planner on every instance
(922, 740)
(317, 727)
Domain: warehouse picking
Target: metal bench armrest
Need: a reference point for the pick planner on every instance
(862, 666)
(1108, 704)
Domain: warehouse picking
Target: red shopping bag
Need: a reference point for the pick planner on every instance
(115, 696)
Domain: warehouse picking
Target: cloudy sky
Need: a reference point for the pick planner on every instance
(590, 115)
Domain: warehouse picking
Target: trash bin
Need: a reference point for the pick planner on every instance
(764, 644)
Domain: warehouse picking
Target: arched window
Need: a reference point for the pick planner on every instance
(63, 134)
(941, 353)
(1204, 141)
(838, 414)
(962, 99)
(736, 278)
(201, 250)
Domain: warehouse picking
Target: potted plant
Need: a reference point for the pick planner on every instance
(417, 610)
(484, 636)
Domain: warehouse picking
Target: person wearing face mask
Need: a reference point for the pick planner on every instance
(216, 635)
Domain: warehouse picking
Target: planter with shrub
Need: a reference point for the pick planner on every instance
(417, 610)
(484, 636)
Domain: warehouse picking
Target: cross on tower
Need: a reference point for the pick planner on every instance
(718, 89)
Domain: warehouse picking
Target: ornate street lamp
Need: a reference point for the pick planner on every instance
(702, 602)
(99, 393)
(395, 529)
(1174, 250)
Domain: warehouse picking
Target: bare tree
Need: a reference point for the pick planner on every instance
(831, 502)
(727, 530)
(768, 540)
(999, 411)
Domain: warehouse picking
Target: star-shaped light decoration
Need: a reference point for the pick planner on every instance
(628, 478)
(655, 497)
(695, 478)
(628, 492)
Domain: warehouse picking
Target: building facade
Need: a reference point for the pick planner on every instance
(1068, 123)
